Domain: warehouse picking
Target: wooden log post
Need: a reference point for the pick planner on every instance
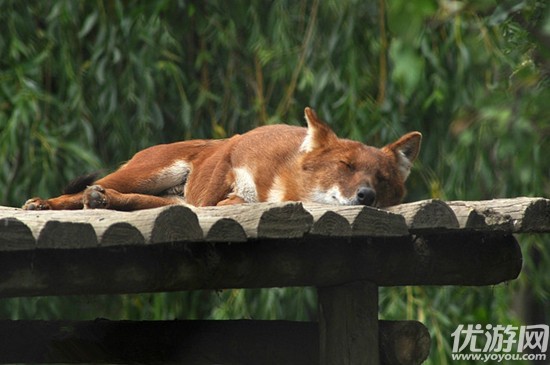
(348, 324)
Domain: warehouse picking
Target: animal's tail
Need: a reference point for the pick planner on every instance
(80, 183)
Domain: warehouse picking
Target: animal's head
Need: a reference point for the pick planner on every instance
(345, 172)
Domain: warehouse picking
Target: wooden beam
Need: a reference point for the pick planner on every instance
(22, 230)
(427, 216)
(519, 215)
(342, 221)
(189, 342)
(403, 342)
(348, 324)
(450, 259)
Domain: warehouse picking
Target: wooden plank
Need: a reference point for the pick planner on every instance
(168, 224)
(57, 234)
(225, 230)
(178, 223)
(519, 215)
(266, 220)
(101, 221)
(536, 217)
(175, 224)
(331, 224)
(450, 259)
(121, 232)
(427, 215)
(344, 221)
(15, 235)
(348, 324)
(290, 220)
(191, 342)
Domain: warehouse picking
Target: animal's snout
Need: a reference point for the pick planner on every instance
(366, 196)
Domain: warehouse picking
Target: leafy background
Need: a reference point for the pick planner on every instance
(86, 84)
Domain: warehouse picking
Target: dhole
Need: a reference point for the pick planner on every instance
(268, 164)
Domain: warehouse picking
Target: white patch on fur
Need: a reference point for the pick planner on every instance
(277, 191)
(331, 196)
(404, 165)
(178, 190)
(307, 144)
(172, 177)
(245, 187)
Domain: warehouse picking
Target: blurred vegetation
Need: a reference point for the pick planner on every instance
(85, 84)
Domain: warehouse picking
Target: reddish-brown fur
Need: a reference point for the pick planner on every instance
(270, 163)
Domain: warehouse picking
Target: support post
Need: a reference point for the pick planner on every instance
(348, 324)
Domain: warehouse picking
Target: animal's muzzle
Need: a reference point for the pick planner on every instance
(365, 196)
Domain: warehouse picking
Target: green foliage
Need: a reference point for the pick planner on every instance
(85, 84)
(282, 303)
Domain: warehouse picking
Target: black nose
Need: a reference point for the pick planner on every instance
(366, 196)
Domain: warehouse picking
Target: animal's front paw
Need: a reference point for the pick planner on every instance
(36, 204)
(95, 197)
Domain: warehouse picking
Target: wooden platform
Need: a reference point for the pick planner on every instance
(346, 252)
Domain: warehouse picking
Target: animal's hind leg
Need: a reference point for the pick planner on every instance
(71, 198)
(152, 171)
(67, 201)
(149, 172)
(96, 196)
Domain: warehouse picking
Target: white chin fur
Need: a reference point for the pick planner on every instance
(332, 196)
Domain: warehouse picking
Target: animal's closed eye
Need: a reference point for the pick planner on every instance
(349, 165)
(382, 176)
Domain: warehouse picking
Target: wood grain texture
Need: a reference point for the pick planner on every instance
(457, 259)
(28, 230)
(348, 324)
(427, 215)
(519, 215)
(355, 221)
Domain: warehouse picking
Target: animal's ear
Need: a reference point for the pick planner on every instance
(405, 150)
(318, 133)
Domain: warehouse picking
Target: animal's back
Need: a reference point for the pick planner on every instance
(246, 163)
